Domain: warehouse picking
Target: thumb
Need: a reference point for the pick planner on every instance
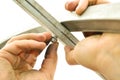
(50, 61)
(71, 5)
(70, 55)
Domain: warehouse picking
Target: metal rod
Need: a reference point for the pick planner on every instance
(47, 21)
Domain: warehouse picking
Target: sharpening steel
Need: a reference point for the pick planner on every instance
(47, 21)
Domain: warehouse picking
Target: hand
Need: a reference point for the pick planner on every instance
(100, 53)
(79, 6)
(18, 57)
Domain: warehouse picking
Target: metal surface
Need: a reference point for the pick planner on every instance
(47, 21)
(102, 11)
(93, 25)
(54, 39)
(98, 18)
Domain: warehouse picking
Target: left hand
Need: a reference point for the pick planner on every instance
(79, 6)
(18, 57)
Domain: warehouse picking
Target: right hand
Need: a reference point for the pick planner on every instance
(100, 53)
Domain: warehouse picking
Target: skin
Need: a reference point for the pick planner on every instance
(18, 57)
(100, 52)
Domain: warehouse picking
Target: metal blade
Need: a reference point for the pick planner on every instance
(93, 25)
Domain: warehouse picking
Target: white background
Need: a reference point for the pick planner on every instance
(14, 20)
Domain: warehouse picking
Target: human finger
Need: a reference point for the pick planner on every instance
(105, 1)
(69, 55)
(22, 46)
(50, 61)
(71, 5)
(30, 57)
(78, 6)
(48, 36)
(33, 36)
(92, 2)
(82, 6)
